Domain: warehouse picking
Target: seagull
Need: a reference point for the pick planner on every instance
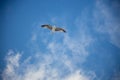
(53, 28)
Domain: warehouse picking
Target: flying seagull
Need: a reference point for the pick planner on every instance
(53, 28)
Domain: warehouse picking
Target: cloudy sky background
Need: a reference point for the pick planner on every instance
(90, 50)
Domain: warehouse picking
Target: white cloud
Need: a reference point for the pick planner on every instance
(80, 75)
(12, 61)
(40, 71)
(76, 76)
(106, 22)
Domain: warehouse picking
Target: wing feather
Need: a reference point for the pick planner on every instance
(60, 29)
(47, 26)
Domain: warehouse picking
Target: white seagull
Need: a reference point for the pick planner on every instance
(53, 28)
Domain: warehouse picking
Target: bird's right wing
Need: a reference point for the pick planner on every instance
(47, 26)
(60, 29)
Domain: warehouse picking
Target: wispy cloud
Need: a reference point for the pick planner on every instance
(45, 70)
(12, 61)
(79, 75)
(106, 22)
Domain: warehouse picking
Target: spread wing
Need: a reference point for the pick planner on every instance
(47, 26)
(60, 29)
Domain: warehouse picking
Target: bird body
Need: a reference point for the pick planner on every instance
(53, 28)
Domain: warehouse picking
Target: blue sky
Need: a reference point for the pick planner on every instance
(90, 50)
